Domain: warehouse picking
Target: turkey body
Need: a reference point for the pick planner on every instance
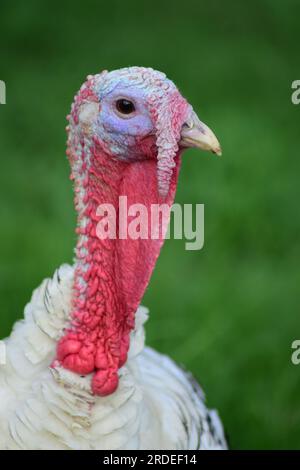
(156, 406)
(77, 374)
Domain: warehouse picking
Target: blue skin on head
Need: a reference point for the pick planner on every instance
(120, 133)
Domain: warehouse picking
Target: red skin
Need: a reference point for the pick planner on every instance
(97, 340)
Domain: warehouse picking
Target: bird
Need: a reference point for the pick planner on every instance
(77, 373)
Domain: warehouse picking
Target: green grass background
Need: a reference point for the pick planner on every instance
(230, 311)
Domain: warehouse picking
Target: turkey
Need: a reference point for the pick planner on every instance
(77, 374)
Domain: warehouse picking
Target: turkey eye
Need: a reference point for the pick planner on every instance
(125, 106)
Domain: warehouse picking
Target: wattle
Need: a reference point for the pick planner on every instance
(111, 275)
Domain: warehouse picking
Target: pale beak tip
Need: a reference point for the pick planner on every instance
(217, 151)
(197, 134)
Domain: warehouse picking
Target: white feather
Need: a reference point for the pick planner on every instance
(156, 406)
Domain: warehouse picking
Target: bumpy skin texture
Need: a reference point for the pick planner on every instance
(111, 158)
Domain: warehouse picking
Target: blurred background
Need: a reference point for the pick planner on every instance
(229, 312)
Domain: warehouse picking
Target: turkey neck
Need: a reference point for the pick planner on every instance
(111, 275)
(98, 309)
(98, 335)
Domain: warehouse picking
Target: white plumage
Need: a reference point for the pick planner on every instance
(81, 319)
(156, 406)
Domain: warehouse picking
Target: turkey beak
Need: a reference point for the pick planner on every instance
(195, 133)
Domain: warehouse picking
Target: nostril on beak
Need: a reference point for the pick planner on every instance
(189, 124)
(195, 133)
